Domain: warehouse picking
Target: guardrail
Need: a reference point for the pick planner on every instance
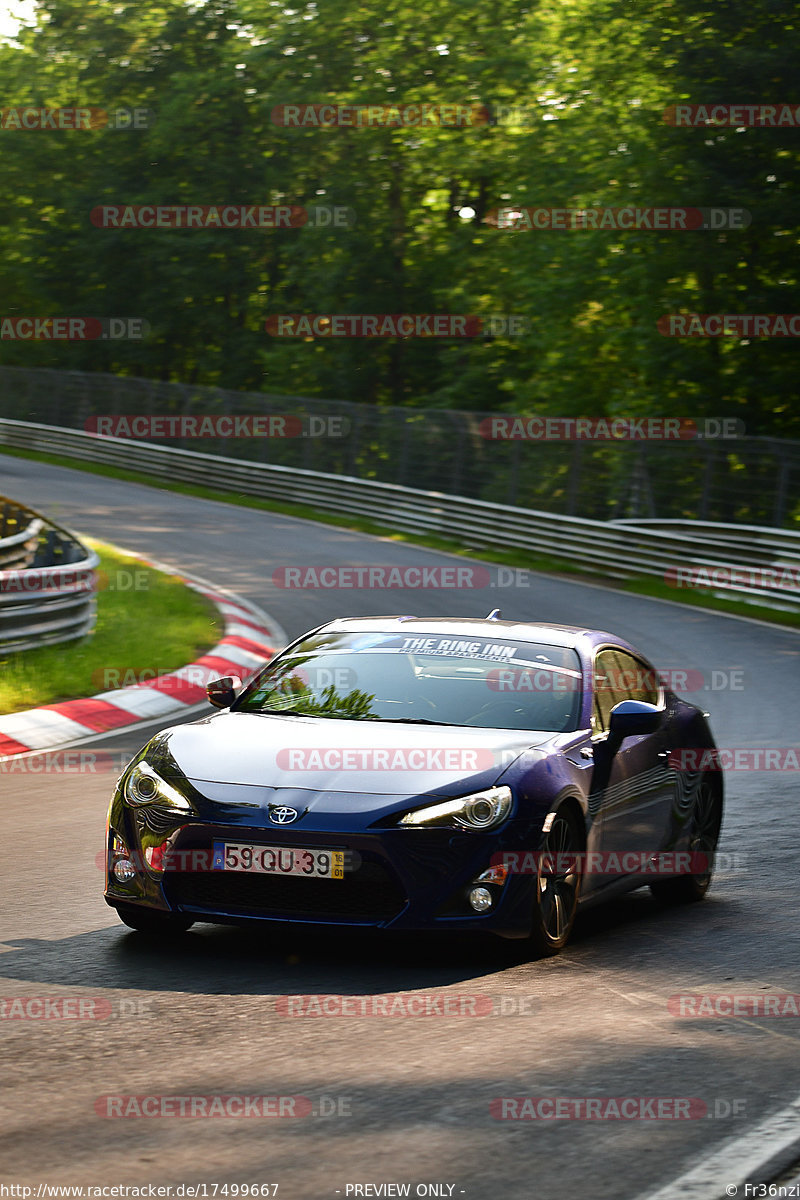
(19, 534)
(756, 547)
(765, 537)
(757, 564)
(749, 478)
(48, 581)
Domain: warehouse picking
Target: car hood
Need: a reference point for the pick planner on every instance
(239, 755)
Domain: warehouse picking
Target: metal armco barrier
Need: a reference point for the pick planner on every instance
(749, 479)
(729, 554)
(19, 534)
(48, 581)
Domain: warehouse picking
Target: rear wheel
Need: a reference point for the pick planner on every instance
(146, 920)
(558, 883)
(706, 823)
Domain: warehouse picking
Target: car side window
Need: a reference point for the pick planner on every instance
(634, 680)
(619, 676)
(605, 694)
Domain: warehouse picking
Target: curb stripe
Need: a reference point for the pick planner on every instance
(180, 689)
(9, 746)
(256, 648)
(94, 713)
(246, 645)
(42, 728)
(143, 703)
(221, 666)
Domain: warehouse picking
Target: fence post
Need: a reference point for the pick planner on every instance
(779, 511)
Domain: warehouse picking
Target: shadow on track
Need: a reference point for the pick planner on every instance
(229, 960)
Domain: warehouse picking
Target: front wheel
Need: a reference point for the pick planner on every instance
(706, 824)
(558, 883)
(147, 920)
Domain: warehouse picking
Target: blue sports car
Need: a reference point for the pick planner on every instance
(421, 774)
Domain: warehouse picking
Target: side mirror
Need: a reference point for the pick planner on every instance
(632, 717)
(222, 692)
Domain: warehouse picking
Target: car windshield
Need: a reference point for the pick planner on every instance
(488, 683)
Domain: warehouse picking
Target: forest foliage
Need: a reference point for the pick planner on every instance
(576, 94)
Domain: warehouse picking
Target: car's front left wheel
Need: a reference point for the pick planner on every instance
(558, 884)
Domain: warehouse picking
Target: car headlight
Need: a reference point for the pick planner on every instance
(145, 786)
(482, 810)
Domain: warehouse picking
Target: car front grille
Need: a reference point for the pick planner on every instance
(370, 894)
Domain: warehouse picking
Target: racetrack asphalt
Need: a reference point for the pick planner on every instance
(409, 1098)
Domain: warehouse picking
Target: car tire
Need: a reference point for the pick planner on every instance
(145, 920)
(706, 823)
(555, 901)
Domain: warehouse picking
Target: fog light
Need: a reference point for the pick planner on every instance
(481, 899)
(124, 870)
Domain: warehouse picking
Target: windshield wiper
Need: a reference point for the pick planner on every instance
(299, 712)
(417, 721)
(288, 712)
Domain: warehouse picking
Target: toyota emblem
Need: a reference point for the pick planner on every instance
(280, 814)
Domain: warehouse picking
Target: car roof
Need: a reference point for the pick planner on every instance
(573, 636)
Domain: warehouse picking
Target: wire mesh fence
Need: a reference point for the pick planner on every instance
(748, 480)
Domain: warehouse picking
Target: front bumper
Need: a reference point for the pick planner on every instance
(402, 879)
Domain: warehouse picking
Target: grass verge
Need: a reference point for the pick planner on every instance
(643, 586)
(148, 623)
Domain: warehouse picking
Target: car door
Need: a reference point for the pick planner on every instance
(631, 788)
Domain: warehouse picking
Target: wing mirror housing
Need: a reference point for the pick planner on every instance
(631, 718)
(222, 692)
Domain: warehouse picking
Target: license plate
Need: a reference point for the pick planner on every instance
(278, 860)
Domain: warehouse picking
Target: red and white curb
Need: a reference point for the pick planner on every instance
(250, 639)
